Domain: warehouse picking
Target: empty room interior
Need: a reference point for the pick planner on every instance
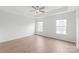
(39, 29)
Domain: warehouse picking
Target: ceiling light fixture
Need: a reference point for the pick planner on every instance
(38, 9)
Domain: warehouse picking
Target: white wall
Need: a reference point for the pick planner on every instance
(77, 26)
(50, 26)
(13, 26)
(76, 8)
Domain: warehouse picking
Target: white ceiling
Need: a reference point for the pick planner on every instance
(26, 10)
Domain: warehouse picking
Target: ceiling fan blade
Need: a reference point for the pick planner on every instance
(37, 7)
(42, 8)
(34, 7)
(42, 11)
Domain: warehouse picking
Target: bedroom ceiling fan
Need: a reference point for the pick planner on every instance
(38, 9)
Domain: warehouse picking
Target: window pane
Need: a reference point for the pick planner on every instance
(61, 22)
(61, 26)
(61, 30)
(40, 26)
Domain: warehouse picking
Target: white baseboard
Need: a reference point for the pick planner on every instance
(56, 38)
(13, 38)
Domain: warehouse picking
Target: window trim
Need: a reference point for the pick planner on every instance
(61, 26)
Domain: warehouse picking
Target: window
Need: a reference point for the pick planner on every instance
(40, 26)
(61, 26)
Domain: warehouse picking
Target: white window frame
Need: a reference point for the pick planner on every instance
(61, 26)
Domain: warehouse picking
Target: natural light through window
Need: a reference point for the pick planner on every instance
(61, 26)
(40, 26)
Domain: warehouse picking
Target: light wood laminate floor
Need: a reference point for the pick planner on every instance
(37, 44)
